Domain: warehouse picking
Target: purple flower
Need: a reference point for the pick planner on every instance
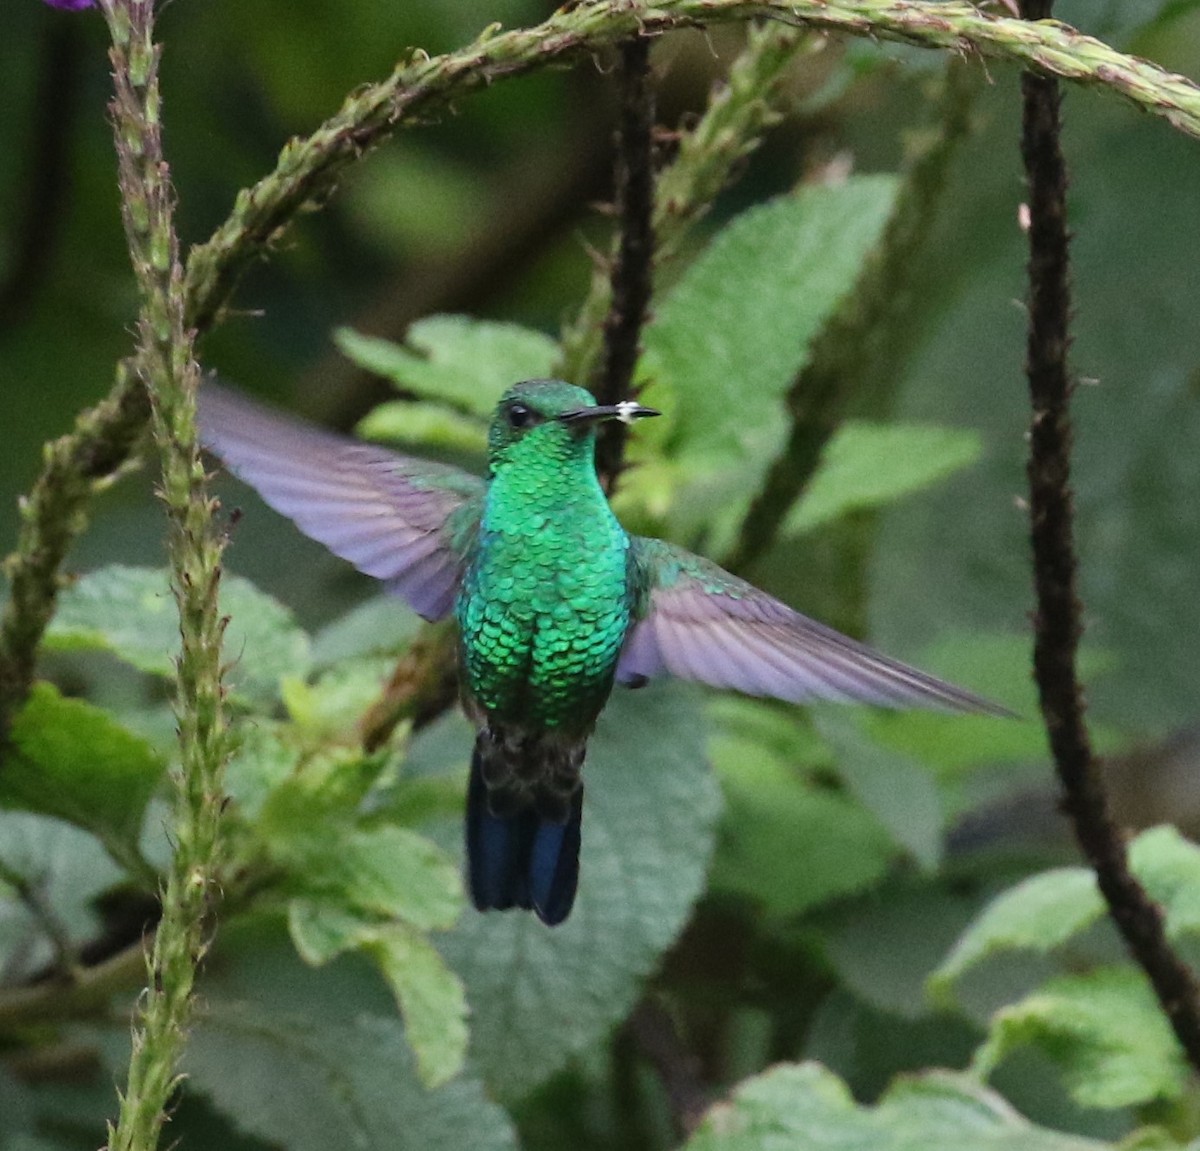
(70, 5)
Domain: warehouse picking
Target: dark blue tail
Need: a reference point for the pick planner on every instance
(521, 859)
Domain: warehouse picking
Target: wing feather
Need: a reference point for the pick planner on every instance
(400, 519)
(699, 622)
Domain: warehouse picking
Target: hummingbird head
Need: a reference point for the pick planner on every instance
(549, 418)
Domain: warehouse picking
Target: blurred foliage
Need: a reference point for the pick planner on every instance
(856, 897)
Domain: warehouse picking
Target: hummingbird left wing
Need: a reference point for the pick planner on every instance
(404, 520)
(699, 622)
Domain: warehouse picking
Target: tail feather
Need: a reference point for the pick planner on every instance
(521, 858)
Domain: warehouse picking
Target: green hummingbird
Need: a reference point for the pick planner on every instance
(554, 602)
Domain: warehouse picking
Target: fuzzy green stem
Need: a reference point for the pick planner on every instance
(168, 368)
(52, 516)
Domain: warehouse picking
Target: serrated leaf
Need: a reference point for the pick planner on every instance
(456, 360)
(130, 612)
(263, 758)
(869, 465)
(430, 997)
(805, 1105)
(314, 1086)
(1045, 910)
(1039, 914)
(728, 340)
(74, 761)
(737, 325)
(414, 424)
(342, 1075)
(1104, 1029)
(538, 994)
(383, 871)
(315, 806)
(323, 930)
(332, 705)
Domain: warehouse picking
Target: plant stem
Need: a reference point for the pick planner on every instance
(1058, 620)
(52, 517)
(631, 279)
(168, 368)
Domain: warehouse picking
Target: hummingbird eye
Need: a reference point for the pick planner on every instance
(519, 416)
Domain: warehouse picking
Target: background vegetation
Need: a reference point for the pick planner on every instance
(872, 929)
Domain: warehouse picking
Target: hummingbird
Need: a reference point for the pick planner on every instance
(555, 602)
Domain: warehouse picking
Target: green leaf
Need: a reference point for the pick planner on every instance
(726, 343)
(1039, 914)
(456, 360)
(869, 465)
(314, 1086)
(1044, 911)
(322, 930)
(900, 792)
(538, 995)
(1169, 867)
(332, 706)
(804, 1105)
(66, 867)
(421, 425)
(74, 761)
(430, 997)
(264, 757)
(1104, 1029)
(343, 1075)
(383, 625)
(785, 843)
(130, 612)
(382, 871)
(885, 945)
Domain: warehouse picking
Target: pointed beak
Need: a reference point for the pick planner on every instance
(626, 411)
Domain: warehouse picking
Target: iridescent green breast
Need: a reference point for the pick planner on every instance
(545, 601)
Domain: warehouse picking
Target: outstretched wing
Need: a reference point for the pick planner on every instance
(403, 520)
(699, 622)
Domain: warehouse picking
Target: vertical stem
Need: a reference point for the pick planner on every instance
(1058, 624)
(632, 269)
(168, 368)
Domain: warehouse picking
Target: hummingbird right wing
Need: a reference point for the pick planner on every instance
(403, 520)
(699, 622)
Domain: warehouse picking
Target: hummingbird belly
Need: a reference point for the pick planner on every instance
(541, 629)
